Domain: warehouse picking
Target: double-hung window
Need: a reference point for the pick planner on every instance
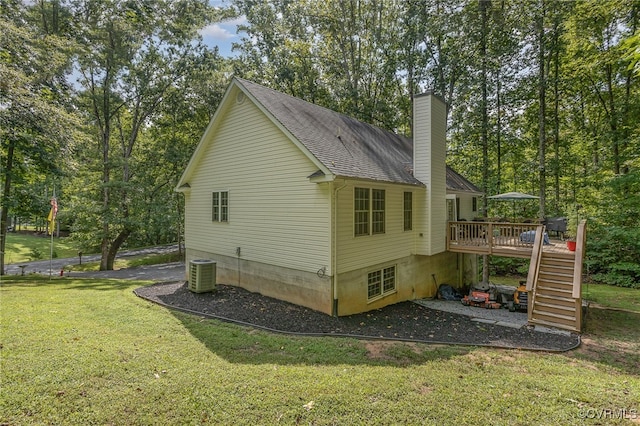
(361, 211)
(220, 206)
(377, 213)
(369, 211)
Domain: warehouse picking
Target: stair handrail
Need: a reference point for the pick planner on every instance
(536, 255)
(581, 240)
(534, 268)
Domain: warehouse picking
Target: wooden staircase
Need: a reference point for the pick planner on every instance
(552, 302)
(555, 284)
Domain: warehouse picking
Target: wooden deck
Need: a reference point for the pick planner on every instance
(554, 281)
(499, 239)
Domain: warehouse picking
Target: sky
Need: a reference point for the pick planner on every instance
(223, 34)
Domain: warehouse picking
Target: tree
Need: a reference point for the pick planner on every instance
(133, 54)
(35, 126)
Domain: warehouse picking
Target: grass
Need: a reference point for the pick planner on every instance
(130, 262)
(22, 247)
(612, 297)
(91, 352)
(605, 296)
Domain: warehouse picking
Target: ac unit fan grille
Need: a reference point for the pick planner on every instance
(202, 276)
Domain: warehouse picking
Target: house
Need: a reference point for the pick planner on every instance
(301, 203)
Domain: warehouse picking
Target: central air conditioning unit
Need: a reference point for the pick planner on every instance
(202, 275)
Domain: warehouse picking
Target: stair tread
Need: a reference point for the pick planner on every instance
(553, 315)
(552, 324)
(558, 260)
(559, 256)
(556, 298)
(556, 274)
(560, 282)
(551, 305)
(559, 290)
(559, 267)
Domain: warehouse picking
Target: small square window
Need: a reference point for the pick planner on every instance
(374, 284)
(389, 279)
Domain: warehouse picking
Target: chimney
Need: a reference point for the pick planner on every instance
(429, 152)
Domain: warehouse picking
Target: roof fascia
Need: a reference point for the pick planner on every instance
(463, 192)
(369, 182)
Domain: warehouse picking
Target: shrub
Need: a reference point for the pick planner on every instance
(36, 254)
(613, 255)
(508, 266)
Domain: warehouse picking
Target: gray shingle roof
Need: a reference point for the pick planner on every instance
(346, 146)
(458, 183)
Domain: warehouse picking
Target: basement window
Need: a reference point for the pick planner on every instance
(220, 206)
(381, 282)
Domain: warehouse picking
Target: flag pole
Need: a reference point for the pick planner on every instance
(52, 224)
(51, 250)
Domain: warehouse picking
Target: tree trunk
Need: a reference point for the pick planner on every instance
(484, 4)
(542, 112)
(115, 246)
(8, 169)
(556, 126)
(104, 246)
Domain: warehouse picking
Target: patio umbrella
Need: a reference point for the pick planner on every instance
(513, 196)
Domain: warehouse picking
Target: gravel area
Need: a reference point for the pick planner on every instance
(407, 321)
(499, 316)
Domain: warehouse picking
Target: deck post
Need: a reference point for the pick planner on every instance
(577, 269)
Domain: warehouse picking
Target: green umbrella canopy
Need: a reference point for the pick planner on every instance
(513, 196)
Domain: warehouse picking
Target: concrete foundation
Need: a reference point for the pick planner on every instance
(311, 290)
(417, 277)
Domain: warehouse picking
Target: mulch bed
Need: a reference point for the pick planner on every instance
(405, 321)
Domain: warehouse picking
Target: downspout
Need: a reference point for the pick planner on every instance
(334, 247)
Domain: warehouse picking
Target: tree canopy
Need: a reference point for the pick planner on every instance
(542, 97)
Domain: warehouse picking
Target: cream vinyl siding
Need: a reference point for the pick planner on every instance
(466, 206)
(276, 216)
(429, 144)
(355, 252)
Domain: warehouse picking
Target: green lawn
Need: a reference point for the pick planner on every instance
(612, 297)
(597, 294)
(91, 352)
(26, 247)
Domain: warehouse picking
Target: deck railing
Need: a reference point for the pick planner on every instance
(495, 238)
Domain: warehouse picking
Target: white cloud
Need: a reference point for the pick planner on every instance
(217, 32)
(237, 21)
